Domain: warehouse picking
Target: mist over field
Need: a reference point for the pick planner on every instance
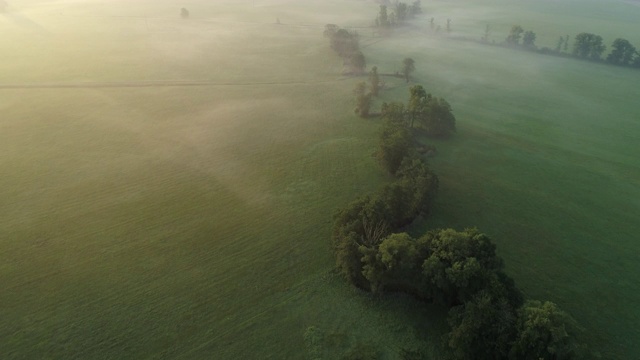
(169, 181)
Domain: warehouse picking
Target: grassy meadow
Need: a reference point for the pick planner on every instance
(148, 221)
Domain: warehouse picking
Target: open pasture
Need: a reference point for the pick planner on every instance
(193, 221)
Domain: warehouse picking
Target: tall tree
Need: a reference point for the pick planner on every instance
(622, 52)
(363, 99)
(383, 17)
(402, 12)
(418, 103)
(408, 66)
(514, 35)
(529, 39)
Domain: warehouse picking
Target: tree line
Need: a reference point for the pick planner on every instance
(586, 46)
(489, 317)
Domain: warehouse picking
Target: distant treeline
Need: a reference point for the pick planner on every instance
(585, 46)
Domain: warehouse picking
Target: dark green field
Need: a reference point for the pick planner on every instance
(167, 185)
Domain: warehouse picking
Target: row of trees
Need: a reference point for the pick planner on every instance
(585, 46)
(402, 12)
(347, 45)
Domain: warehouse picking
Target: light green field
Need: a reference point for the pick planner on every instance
(194, 221)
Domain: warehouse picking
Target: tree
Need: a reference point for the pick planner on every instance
(588, 46)
(184, 13)
(459, 265)
(559, 44)
(438, 120)
(402, 12)
(529, 39)
(566, 43)
(418, 102)
(374, 79)
(394, 112)
(395, 144)
(481, 329)
(363, 100)
(415, 8)
(357, 62)
(395, 260)
(408, 66)
(448, 26)
(545, 332)
(514, 35)
(622, 52)
(344, 42)
(383, 17)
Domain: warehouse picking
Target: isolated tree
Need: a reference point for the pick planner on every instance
(588, 46)
(448, 26)
(622, 52)
(408, 66)
(432, 23)
(374, 79)
(529, 39)
(514, 35)
(184, 13)
(363, 99)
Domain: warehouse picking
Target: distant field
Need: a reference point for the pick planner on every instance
(193, 222)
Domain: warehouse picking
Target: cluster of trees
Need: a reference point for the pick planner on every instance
(432, 114)
(347, 45)
(402, 12)
(585, 46)
(488, 317)
(517, 33)
(361, 226)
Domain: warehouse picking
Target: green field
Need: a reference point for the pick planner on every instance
(167, 185)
